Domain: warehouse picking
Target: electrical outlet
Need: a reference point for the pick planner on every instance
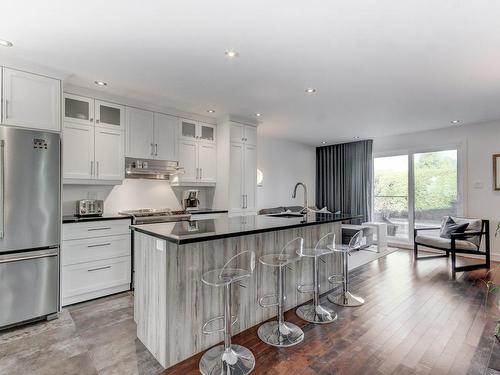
(160, 245)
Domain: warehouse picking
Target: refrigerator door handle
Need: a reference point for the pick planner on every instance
(22, 256)
(2, 185)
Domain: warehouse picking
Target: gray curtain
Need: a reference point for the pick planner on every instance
(344, 178)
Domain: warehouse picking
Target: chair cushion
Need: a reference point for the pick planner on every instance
(450, 226)
(444, 243)
(475, 225)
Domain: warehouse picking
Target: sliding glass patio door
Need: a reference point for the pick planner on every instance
(416, 189)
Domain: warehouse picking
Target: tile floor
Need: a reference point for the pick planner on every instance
(96, 337)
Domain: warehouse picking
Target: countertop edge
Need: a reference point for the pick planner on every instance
(238, 234)
(75, 219)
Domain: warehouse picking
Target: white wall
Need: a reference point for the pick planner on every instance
(132, 194)
(283, 164)
(478, 143)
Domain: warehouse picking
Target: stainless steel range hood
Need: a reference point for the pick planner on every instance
(151, 168)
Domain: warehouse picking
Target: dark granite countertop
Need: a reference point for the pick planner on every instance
(186, 232)
(200, 211)
(77, 219)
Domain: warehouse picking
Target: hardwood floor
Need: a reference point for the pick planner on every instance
(416, 320)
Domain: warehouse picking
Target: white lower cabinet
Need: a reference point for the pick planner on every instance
(95, 260)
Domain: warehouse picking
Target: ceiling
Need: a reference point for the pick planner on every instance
(379, 67)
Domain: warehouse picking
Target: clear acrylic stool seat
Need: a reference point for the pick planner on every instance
(228, 358)
(346, 298)
(315, 312)
(280, 333)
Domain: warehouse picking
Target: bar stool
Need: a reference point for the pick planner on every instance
(280, 333)
(228, 358)
(346, 298)
(315, 312)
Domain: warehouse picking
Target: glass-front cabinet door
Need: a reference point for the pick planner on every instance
(78, 109)
(187, 129)
(110, 115)
(206, 132)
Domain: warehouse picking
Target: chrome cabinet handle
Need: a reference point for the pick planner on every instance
(201, 173)
(156, 149)
(100, 244)
(91, 168)
(97, 169)
(98, 228)
(243, 201)
(6, 109)
(98, 269)
(152, 149)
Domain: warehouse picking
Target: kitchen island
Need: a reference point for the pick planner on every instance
(171, 303)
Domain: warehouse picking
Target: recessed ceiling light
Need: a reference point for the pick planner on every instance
(310, 90)
(232, 54)
(323, 142)
(211, 110)
(356, 137)
(258, 114)
(5, 43)
(454, 122)
(100, 83)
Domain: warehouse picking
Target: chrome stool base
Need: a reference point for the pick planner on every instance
(316, 314)
(346, 299)
(280, 335)
(238, 360)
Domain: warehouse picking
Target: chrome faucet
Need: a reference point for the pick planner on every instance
(294, 195)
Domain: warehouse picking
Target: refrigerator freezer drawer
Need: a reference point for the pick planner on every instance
(29, 285)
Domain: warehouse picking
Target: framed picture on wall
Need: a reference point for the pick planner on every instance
(496, 172)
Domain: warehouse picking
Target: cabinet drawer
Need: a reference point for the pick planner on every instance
(92, 249)
(85, 278)
(74, 231)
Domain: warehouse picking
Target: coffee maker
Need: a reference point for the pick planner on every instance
(191, 199)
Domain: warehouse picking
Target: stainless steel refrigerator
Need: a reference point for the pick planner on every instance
(30, 221)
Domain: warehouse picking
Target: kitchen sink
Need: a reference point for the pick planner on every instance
(287, 214)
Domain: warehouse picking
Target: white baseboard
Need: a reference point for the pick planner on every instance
(407, 246)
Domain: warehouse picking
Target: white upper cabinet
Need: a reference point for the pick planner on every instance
(250, 135)
(207, 163)
(195, 130)
(109, 115)
(206, 132)
(78, 109)
(165, 139)
(151, 135)
(188, 159)
(78, 151)
(93, 141)
(188, 129)
(140, 132)
(237, 132)
(243, 133)
(109, 155)
(197, 152)
(31, 100)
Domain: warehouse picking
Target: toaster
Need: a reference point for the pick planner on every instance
(89, 207)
